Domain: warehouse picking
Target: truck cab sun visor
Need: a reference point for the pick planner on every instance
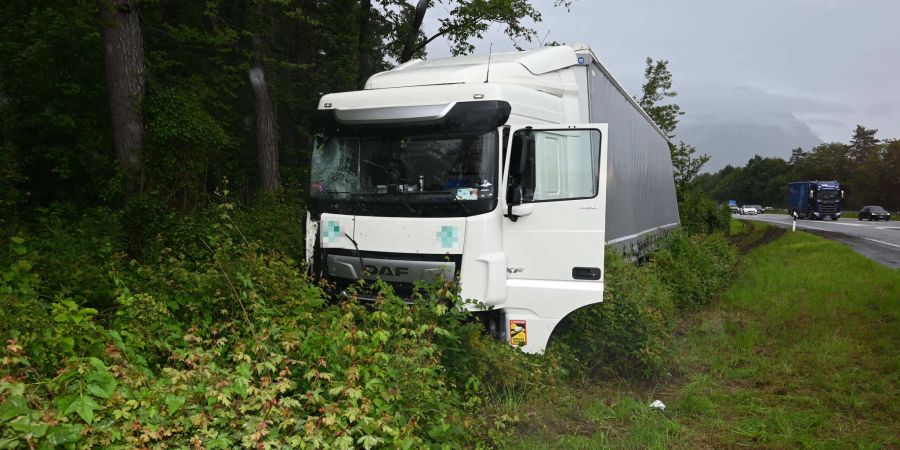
(455, 117)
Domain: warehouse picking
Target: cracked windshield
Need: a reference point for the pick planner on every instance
(456, 168)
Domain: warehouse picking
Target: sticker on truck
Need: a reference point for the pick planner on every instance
(518, 337)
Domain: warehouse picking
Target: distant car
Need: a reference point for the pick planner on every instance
(735, 210)
(759, 209)
(749, 210)
(873, 213)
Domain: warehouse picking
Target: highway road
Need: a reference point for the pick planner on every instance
(879, 241)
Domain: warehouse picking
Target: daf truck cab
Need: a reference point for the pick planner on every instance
(508, 172)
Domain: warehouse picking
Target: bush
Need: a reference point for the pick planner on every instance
(236, 346)
(700, 214)
(627, 333)
(695, 268)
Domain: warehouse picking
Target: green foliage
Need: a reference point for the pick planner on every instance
(866, 168)
(629, 332)
(800, 352)
(657, 87)
(695, 268)
(863, 144)
(228, 343)
(701, 214)
(54, 135)
(685, 165)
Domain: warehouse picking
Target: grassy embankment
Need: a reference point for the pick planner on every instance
(800, 352)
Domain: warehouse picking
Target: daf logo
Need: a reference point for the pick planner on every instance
(373, 270)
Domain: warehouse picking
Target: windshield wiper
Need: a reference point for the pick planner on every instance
(406, 204)
(453, 196)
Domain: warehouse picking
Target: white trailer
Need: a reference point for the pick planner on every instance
(510, 172)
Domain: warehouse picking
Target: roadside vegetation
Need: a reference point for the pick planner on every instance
(153, 295)
(865, 167)
(800, 351)
(216, 337)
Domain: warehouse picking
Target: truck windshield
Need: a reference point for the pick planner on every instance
(409, 176)
(828, 195)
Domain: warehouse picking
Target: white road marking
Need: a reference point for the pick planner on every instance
(798, 224)
(825, 229)
(882, 242)
(864, 225)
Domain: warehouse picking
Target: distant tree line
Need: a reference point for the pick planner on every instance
(867, 167)
(115, 102)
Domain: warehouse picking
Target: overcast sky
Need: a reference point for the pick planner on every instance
(831, 63)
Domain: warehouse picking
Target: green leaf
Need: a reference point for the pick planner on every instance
(368, 441)
(84, 406)
(27, 426)
(174, 403)
(17, 240)
(243, 370)
(62, 434)
(9, 443)
(14, 406)
(98, 391)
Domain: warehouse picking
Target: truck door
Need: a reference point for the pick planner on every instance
(555, 178)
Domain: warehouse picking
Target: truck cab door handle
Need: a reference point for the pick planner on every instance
(586, 273)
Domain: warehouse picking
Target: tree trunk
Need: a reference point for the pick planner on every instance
(266, 134)
(123, 56)
(364, 64)
(409, 47)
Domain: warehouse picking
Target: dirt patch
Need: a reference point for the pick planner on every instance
(748, 240)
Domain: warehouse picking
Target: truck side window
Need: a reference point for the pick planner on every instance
(558, 164)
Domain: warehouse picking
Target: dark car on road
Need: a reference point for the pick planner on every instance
(873, 213)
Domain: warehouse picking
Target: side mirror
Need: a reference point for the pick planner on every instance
(515, 199)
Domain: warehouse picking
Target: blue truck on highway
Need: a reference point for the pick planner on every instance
(815, 199)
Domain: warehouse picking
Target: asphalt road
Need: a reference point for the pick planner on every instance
(879, 241)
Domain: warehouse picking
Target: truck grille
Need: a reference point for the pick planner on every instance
(828, 208)
(403, 287)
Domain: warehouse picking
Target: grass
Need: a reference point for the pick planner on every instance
(802, 351)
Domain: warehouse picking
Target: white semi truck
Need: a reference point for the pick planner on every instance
(510, 172)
